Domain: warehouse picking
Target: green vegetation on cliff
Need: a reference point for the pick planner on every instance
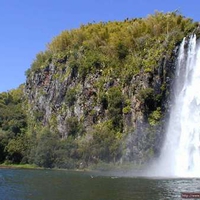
(131, 45)
(89, 89)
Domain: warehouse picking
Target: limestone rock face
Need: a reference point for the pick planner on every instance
(58, 96)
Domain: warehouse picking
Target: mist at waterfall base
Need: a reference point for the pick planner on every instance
(180, 154)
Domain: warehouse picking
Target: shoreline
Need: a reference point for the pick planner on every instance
(103, 167)
(19, 166)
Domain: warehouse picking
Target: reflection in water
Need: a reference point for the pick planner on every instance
(65, 185)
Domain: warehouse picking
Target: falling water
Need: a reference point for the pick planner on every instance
(180, 156)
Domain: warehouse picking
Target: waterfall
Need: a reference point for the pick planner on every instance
(180, 155)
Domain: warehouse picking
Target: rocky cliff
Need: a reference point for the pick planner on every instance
(57, 101)
(108, 82)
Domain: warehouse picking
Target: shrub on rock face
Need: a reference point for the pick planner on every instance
(70, 97)
(73, 126)
(155, 116)
(115, 104)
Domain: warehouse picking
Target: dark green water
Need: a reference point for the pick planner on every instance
(65, 185)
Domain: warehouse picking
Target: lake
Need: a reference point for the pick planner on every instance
(21, 184)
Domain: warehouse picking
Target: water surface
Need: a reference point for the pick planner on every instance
(23, 184)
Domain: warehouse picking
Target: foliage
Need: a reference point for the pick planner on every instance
(122, 50)
(16, 148)
(126, 109)
(115, 105)
(155, 116)
(129, 44)
(104, 145)
(70, 97)
(146, 94)
(44, 152)
(66, 155)
(4, 138)
(41, 61)
(73, 126)
(13, 126)
(91, 62)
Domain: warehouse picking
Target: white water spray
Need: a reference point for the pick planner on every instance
(180, 156)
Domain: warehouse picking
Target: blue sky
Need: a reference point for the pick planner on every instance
(26, 26)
